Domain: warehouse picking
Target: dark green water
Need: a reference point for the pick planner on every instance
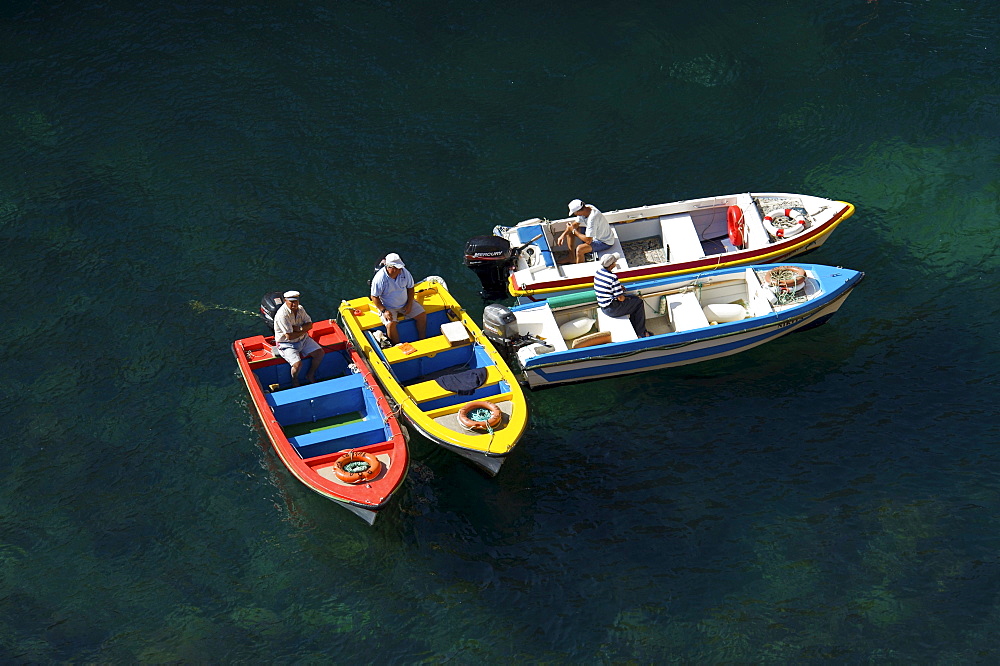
(830, 496)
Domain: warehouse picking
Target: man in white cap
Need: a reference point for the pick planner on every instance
(597, 235)
(291, 332)
(392, 294)
(613, 300)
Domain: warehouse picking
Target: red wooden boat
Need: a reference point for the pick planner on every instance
(337, 435)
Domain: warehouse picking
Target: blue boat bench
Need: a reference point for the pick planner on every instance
(340, 438)
(526, 233)
(331, 397)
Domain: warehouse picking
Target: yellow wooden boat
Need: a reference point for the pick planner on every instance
(432, 380)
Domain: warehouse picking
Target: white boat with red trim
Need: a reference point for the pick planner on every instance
(654, 241)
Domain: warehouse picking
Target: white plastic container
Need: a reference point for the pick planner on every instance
(576, 327)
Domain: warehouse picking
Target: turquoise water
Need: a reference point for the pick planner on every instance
(830, 496)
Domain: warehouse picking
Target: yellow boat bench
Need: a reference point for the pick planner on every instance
(425, 347)
(431, 390)
(452, 409)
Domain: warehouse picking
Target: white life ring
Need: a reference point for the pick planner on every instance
(785, 229)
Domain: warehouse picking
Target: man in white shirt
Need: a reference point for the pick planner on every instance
(597, 235)
(291, 333)
(392, 294)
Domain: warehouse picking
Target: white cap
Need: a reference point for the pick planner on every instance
(610, 260)
(574, 206)
(291, 296)
(392, 259)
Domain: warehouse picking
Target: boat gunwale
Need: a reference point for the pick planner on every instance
(298, 466)
(795, 246)
(775, 319)
(419, 419)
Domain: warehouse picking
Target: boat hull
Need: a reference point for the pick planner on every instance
(312, 452)
(409, 377)
(676, 354)
(663, 223)
(688, 346)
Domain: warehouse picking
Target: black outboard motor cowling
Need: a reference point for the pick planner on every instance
(490, 257)
(269, 305)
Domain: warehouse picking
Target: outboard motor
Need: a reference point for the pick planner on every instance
(499, 324)
(500, 328)
(490, 257)
(269, 305)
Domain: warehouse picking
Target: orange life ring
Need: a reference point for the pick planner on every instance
(737, 226)
(471, 424)
(356, 475)
(793, 283)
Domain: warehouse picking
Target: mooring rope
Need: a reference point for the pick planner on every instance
(200, 307)
(786, 296)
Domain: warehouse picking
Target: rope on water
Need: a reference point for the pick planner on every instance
(200, 307)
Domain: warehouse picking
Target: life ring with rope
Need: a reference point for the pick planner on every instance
(480, 415)
(737, 226)
(792, 222)
(357, 466)
(786, 278)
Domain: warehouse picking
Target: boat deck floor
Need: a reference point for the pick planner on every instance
(322, 424)
(450, 421)
(326, 471)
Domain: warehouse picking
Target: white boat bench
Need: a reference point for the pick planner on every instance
(541, 323)
(685, 311)
(620, 327)
(681, 238)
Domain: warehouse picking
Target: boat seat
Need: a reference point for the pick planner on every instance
(615, 247)
(425, 347)
(431, 390)
(339, 438)
(680, 237)
(539, 322)
(685, 311)
(526, 233)
(620, 327)
(314, 390)
(304, 404)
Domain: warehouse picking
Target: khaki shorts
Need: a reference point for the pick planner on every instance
(415, 310)
(294, 352)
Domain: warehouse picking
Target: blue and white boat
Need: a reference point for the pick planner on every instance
(569, 339)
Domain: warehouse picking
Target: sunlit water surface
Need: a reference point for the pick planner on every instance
(832, 495)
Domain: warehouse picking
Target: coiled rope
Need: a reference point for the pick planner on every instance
(481, 415)
(786, 296)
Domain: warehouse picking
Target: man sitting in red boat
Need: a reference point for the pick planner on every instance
(291, 333)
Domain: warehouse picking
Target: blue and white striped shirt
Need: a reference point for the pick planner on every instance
(607, 287)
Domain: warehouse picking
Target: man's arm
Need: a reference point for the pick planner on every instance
(382, 310)
(409, 299)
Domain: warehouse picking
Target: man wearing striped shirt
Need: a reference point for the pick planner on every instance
(611, 297)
